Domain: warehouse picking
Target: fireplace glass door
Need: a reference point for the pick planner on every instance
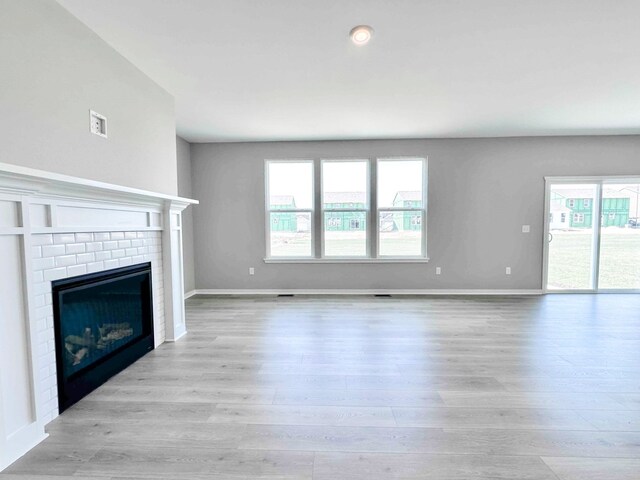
(103, 322)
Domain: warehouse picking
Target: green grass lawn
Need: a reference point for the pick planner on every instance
(345, 244)
(570, 259)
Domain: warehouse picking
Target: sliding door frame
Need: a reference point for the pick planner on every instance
(598, 181)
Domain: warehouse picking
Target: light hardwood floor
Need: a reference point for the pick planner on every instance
(369, 388)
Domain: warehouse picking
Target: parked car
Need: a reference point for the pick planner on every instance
(634, 222)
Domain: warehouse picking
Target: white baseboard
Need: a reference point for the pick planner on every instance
(294, 291)
(190, 294)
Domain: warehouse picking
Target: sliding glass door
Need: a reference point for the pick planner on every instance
(593, 235)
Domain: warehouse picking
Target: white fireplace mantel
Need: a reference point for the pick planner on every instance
(90, 226)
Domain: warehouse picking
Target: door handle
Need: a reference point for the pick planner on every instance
(550, 237)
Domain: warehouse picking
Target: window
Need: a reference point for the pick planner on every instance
(585, 202)
(401, 207)
(563, 218)
(364, 209)
(578, 218)
(571, 203)
(289, 209)
(345, 193)
(612, 216)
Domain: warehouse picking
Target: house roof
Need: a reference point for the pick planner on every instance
(408, 196)
(345, 197)
(582, 193)
(282, 200)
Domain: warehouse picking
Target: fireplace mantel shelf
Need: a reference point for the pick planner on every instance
(18, 179)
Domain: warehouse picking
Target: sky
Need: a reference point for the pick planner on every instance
(296, 178)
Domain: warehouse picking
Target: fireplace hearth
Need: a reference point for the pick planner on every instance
(103, 322)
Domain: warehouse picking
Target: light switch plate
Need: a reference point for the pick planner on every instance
(526, 228)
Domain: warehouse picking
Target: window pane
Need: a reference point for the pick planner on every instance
(620, 237)
(344, 184)
(290, 185)
(571, 239)
(400, 183)
(400, 234)
(290, 234)
(345, 234)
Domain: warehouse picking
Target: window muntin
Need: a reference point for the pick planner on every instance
(289, 187)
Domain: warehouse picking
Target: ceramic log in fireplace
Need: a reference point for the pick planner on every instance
(103, 323)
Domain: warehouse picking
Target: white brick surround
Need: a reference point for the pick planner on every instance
(63, 255)
(53, 227)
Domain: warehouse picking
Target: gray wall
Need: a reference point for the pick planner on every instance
(185, 190)
(481, 192)
(54, 69)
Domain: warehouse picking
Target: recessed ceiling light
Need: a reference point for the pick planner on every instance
(361, 34)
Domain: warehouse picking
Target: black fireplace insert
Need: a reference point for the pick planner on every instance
(103, 323)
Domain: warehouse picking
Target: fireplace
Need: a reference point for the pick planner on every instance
(103, 322)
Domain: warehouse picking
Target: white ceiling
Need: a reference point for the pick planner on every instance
(249, 70)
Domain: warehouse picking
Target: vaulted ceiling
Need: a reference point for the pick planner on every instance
(249, 70)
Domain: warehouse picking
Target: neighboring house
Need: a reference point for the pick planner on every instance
(559, 215)
(408, 220)
(574, 209)
(345, 221)
(346, 218)
(285, 221)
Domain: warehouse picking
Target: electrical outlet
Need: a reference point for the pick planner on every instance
(252, 271)
(526, 228)
(98, 124)
(438, 270)
(508, 271)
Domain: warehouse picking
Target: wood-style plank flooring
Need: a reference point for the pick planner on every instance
(331, 388)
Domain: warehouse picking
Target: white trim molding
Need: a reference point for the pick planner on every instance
(329, 291)
(347, 260)
(55, 226)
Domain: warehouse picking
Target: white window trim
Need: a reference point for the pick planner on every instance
(372, 218)
(422, 210)
(268, 211)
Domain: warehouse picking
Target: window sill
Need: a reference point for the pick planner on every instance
(347, 260)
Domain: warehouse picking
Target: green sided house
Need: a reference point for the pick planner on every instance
(346, 220)
(573, 209)
(285, 221)
(346, 216)
(408, 220)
